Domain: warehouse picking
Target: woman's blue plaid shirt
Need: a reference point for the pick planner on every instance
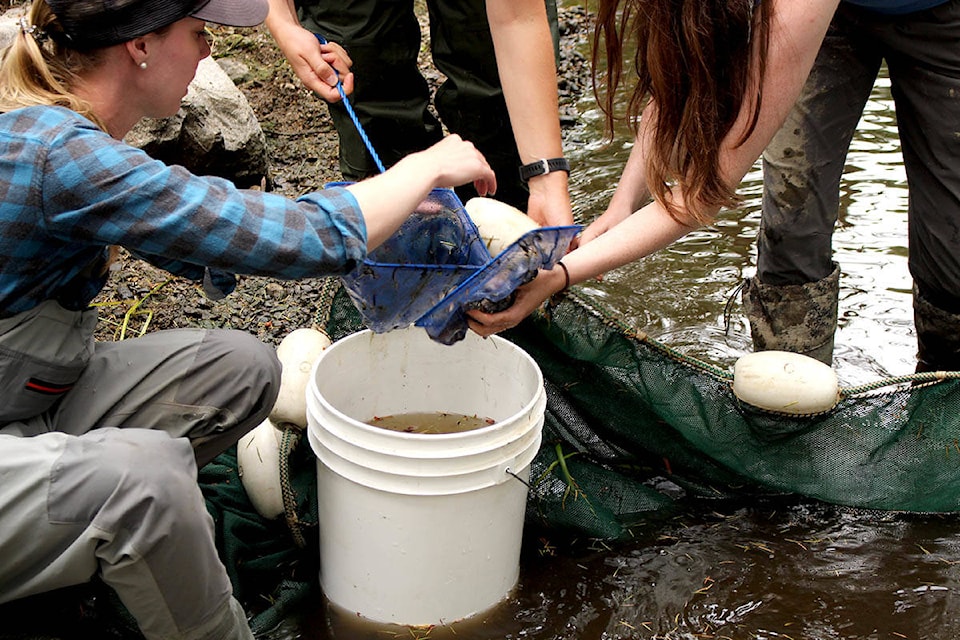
(68, 191)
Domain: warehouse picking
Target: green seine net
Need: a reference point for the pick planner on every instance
(632, 430)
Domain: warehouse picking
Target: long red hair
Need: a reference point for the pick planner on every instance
(694, 60)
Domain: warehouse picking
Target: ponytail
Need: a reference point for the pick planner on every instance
(36, 69)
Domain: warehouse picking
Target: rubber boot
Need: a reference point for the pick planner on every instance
(800, 318)
(938, 336)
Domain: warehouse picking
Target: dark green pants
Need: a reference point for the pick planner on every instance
(392, 98)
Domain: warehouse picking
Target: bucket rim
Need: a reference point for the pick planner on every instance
(392, 443)
(402, 482)
(389, 434)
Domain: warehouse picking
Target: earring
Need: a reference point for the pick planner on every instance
(143, 65)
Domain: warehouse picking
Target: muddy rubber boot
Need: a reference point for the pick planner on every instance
(800, 318)
(938, 336)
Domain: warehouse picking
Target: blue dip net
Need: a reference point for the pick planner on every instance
(436, 249)
(436, 267)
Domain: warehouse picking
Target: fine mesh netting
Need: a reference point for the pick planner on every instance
(435, 250)
(637, 413)
(436, 265)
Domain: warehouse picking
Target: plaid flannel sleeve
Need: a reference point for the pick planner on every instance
(102, 191)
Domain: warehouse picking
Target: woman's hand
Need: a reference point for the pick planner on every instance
(319, 66)
(455, 161)
(529, 297)
(549, 201)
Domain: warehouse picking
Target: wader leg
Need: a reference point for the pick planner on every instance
(211, 386)
(792, 302)
(801, 318)
(123, 503)
(106, 482)
(391, 98)
(804, 162)
(938, 336)
(924, 83)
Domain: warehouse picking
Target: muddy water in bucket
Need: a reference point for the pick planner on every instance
(422, 528)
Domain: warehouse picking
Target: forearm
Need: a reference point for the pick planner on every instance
(284, 25)
(797, 32)
(528, 75)
(388, 198)
(282, 14)
(632, 191)
(644, 232)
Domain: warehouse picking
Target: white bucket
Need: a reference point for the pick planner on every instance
(420, 529)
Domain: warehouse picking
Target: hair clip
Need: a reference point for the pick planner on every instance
(32, 30)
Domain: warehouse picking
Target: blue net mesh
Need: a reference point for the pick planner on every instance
(435, 250)
(492, 288)
(436, 267)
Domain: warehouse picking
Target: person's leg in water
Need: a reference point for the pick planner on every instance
(792, 301)
(924, 66)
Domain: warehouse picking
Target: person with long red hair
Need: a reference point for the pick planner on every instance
(720, 82)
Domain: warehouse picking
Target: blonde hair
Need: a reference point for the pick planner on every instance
(38, 69)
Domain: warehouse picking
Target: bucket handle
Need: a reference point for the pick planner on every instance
(517, 478)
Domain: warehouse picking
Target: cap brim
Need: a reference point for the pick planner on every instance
(234, 13)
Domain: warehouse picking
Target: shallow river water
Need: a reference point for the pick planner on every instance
(787, 568)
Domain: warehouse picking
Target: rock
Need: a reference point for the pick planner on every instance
(274, 290)
(238, 71)
(8, 25)
(214, 133)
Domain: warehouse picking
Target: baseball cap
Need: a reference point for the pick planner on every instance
(101, 23)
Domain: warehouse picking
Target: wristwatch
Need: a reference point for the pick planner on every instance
(543, 166)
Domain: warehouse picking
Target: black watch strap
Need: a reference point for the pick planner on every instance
(543, 166)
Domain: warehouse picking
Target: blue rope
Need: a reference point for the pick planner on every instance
(353, 115)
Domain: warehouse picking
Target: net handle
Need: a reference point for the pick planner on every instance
(353, 115)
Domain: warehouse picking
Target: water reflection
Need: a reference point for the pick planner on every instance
(785, 569)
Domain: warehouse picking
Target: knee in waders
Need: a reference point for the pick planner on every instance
(938, 336)
(801, 318)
